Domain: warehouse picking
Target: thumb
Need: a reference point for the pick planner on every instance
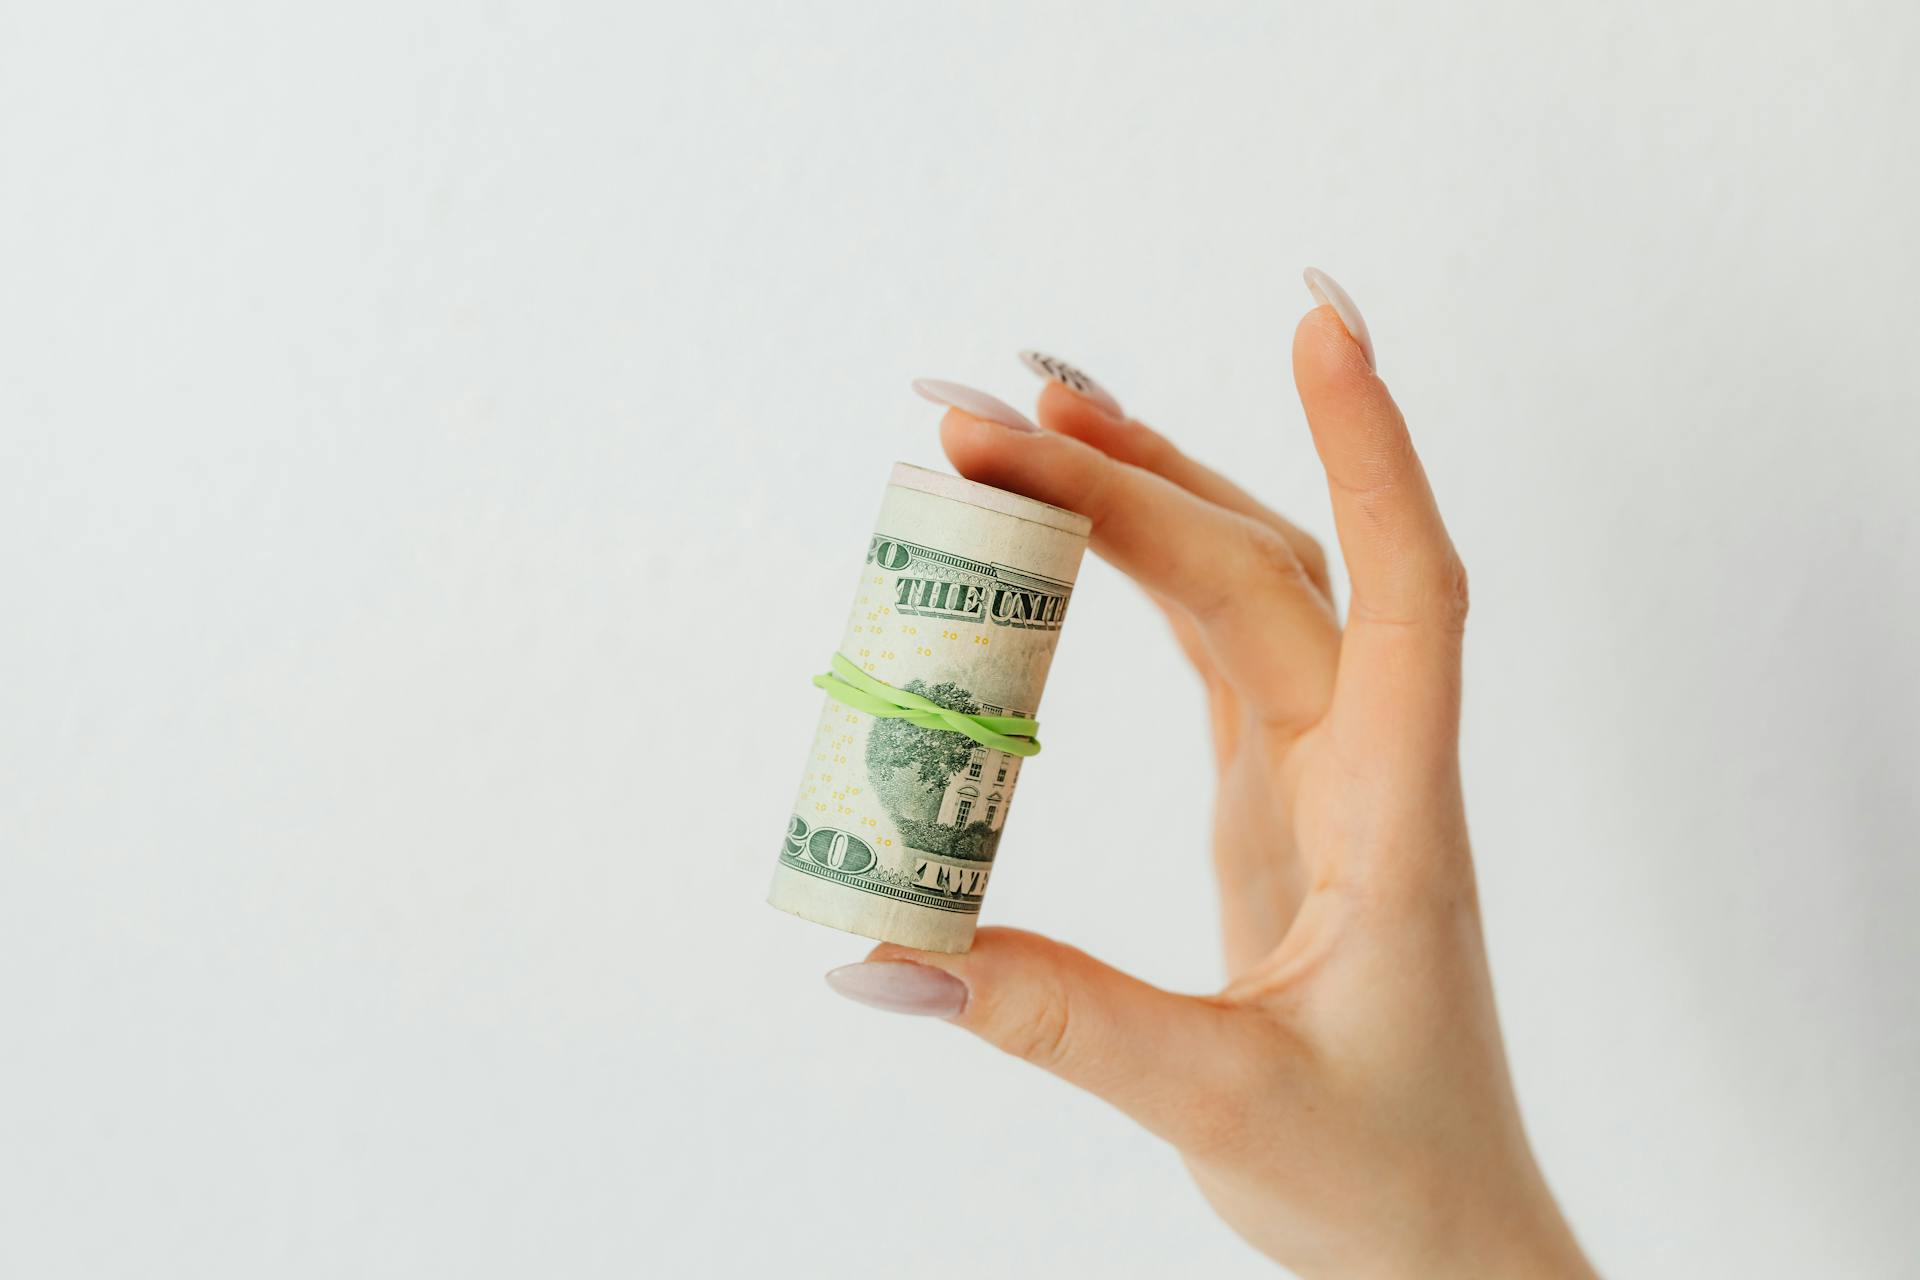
(1169, 1061)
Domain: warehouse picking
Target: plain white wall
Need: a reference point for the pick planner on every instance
(436, 444)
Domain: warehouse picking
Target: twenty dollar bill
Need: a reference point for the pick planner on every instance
(960, 601)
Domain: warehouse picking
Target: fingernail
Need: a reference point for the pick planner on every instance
(1073, 380)
(900, 986)
(977, 403)
(1328, 293)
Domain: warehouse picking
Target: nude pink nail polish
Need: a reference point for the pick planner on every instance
(1328, 293)
(900, 986)
(976, 404)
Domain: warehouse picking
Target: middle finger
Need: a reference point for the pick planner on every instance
(1069, 412)
(1270, 633)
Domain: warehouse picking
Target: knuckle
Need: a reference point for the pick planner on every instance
(1431, 596)
(1259, 566)
(1043, 1034)
(1274, 559)
(1094, 491)
(1154, 451)
(1272, 556)
(1379, 481)
(1454, 596)
(1313, 556)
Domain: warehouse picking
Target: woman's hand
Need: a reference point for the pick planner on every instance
(1344, 1103)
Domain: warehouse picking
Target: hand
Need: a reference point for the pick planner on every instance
(1344, 1102)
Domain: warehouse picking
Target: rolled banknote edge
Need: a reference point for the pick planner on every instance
(975, 494)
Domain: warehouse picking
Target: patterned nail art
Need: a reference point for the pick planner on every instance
(1072, 379)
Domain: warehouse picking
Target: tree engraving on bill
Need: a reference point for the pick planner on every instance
(896, 826)
(946, 795)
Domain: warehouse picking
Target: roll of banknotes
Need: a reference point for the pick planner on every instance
(959, 604)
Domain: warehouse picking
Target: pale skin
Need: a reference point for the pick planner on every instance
(1344, 1101)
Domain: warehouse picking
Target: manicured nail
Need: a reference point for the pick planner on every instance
(1073, 380)
(900, 986)
(976, 403)
(1327, 292)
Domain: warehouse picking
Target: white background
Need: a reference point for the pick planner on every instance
(436, 445)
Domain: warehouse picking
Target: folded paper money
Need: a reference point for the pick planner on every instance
(960, 603)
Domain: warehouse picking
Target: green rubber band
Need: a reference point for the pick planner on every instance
(849, 684)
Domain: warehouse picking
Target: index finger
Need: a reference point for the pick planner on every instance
(1409, 598)
(1270, 633)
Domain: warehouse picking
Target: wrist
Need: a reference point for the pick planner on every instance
(1518, 1232)
(1519, 1235)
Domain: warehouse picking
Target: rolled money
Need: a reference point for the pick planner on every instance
(960, 601)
